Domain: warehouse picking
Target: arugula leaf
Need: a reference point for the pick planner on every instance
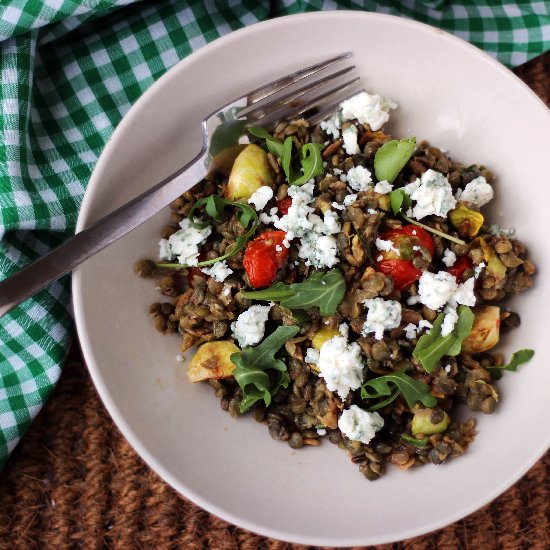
(325, 290)
(392, 385)
(251, 365)
(518, 358)
(431, 347)
(274, 146)
(312, 163)
(399, 200)
(215, 206)
(391, 158)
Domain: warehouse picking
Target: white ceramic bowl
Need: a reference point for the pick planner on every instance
(449, 93)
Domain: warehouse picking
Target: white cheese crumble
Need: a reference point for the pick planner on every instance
(465, 293)
(412, 330)
(478, 192)
(435, 289)
(386, 246)
(478, 269)
(249, 327)
(360, 425)
(340, 365)
(184, 244)
(449, 257)
(349, 135)
(261, 197)
(449, 321)
(383, 187)
(498, 231)
(448, 368)
(321, 432)
(219, 271)
(432, 193)
(332, 125)
(312, 356)
(373, 110)
(180, 358)
(317, 245)
(381, 315)
(412, 300)
(359, 179)
(337, 206)
(350, 199)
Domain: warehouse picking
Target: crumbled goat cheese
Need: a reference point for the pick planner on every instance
(249, 327)
(448, 368)
(317, 245)
(184, 244)
(478, 269)
(272, 218)
(412, 300)
(386, 246)
(465, 293)
(449, 321)
(438, 289)
(368, 109)
(371, 211)
(380, 258)
(382, 315)
(332, 223)
(478, 192)
(337, 206)
(435, 289)
(312, 356)
(219, 271)
(498, 231)
(349, 135)
(278, 248)
(360, 425)
(261, 197)
(449, 257)
(344, 329)
(383, 187)
(412, 330)
(432, 193)
(350, 199)
(321, 432)
(359, 178)
(332, 125)
(341, 365)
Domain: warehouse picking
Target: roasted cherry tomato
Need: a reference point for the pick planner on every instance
(460, 266)
(400, 266)
(284, 204)
(264, 256)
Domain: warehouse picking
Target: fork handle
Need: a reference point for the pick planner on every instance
(101, 234)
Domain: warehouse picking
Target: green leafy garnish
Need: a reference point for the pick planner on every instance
(391, 158)
(422, 442)
(274, 146)
(518, 358)
(253, 362)
(391, 385)
(311, 160)
(214, 207)
(399, 200)
(325, 290)
(432, 347)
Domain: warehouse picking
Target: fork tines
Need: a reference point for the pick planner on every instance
(267, 105)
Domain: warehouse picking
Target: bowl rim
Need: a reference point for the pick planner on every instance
(86, 213)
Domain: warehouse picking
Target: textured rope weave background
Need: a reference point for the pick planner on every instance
(75, 482)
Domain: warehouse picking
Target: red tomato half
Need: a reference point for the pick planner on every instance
(460, 266)
(400, 266)
(264, 256)
(284, 204)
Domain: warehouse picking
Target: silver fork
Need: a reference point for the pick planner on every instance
(313, 99)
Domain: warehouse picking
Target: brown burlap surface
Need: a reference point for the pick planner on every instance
(74, 481)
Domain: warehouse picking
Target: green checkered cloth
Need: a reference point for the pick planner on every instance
(71, 69)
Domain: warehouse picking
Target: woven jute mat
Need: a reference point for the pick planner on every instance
(74, 481)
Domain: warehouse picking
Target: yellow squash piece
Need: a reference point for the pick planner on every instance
(485, 330)
(251, 170)
(212, 361)
(495, 267)
(466, 221)
(421, 423)
(324, 334)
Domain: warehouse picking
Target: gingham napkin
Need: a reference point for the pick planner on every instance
(69, 71)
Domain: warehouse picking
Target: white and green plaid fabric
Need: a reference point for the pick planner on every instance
(71, 69)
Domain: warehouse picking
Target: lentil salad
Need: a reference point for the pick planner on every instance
(344, 285)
